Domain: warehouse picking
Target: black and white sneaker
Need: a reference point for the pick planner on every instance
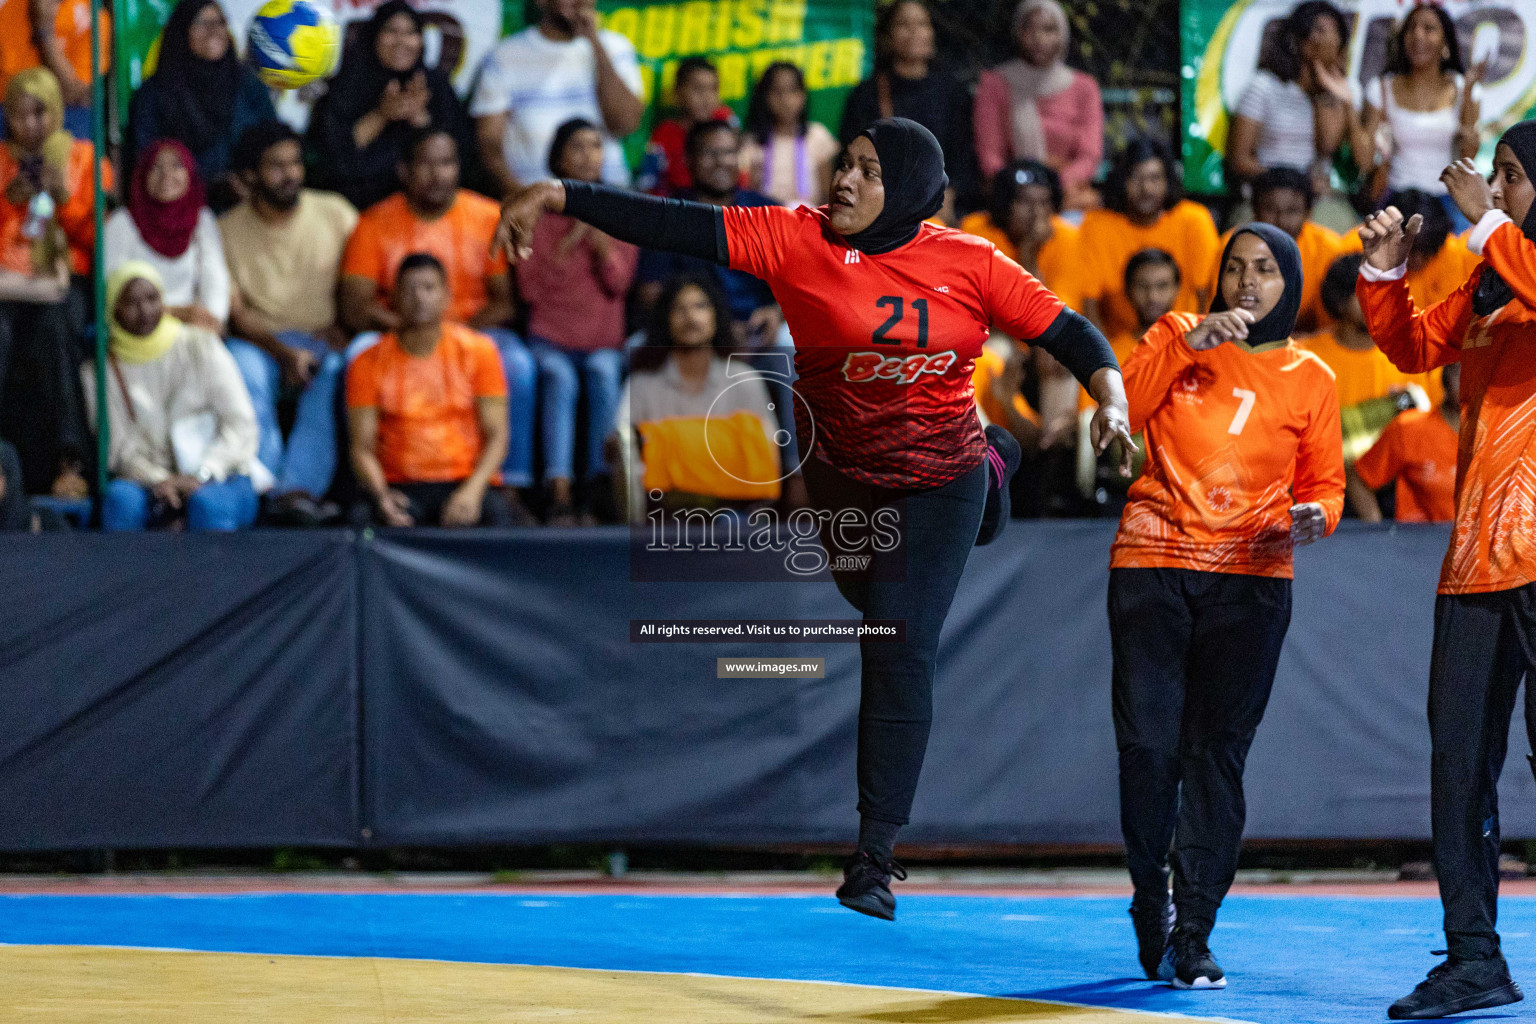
(1154, 926)
(1457, 986)
(867, 885)
(1003, 457)
(1188, 963)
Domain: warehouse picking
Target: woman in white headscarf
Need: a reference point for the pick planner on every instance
(1034, 107)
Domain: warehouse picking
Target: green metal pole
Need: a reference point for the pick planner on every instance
(98, 275)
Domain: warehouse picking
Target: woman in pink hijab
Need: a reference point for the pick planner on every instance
(1034, 107)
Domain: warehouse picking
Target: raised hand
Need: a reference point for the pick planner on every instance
(1216, 328)
(1386, 240)
(1469, 189)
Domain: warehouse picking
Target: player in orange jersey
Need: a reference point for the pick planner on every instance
(1485, 612)
(888, 313)
(1244, 463)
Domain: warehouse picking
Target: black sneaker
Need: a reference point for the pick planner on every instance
(1457, 986)
(1003, 455)
(867, 885)
(1188, 963)
(1154, 925)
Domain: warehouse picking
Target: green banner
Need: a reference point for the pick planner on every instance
(1220, 42)
(828, 39)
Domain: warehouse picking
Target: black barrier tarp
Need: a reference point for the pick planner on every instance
(164, 690)
(428, 687)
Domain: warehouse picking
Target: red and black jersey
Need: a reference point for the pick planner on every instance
(884, 344)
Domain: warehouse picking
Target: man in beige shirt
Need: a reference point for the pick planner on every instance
(284, 245)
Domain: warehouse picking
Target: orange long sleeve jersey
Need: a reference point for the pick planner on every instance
(1493, 542)
(1234, 438)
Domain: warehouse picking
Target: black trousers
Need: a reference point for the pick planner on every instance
(427, 501)
(1484, 644)
(42, 405)
(1194, 660)
(914, 582)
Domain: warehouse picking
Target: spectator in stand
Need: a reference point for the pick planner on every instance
(1145, 211)
(909, 82)
(1417, 450)
(55, 34)
(427, 413)
(432, 214)
(167, 225)
(574, 284)
(383, 94)
(540, 78)
(1428, 105)
(48, 194)
(1439, 261)
(680, 379)
(183, 433)
(787, 156)
(15, 516)
(1283, 196)
(201, 95)
(283, 245)
(1034, 107)
(1296, 111)
(696, 97)
(1023, 219)
(1362, 373)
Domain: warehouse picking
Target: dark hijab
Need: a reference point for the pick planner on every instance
(912, 168)
(1492, 290)
(365, 176)
(196, 98)
(1279, 322)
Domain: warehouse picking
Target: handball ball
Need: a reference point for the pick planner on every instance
(294, 42)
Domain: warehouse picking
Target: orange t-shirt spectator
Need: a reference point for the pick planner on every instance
(1023, 220)
(427, 411)
(41, 155)
(1418, 450)
(431, 215)
(1146, 213)
(64, 47)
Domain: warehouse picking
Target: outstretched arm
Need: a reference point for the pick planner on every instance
(673, 225)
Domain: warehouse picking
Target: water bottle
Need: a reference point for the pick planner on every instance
(39, 214)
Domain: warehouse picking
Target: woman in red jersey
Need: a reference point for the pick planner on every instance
(888, 314)
(1244, 462)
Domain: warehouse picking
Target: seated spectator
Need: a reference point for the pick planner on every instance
(1283, 197)
(696, 98)
(167, 225)
(283, 245)
(201, 95)
(382, 95)
(432, 214)
(427, 413)
(909, 81)
(56, 34)
(1362, 373)
(537, 79)
(1439, 261)
(1429, 105)
(1418, 450)
(1145, 211)
(1034, 107)
(1296, 110)
(574, 284)
(998, 380)
(1023, 219)
(183, 433)
(786, 156)
(683, 393)
(47, 234)
(1152, 284)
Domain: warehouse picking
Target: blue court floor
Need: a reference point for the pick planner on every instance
(1315, 959)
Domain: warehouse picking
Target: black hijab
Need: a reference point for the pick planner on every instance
(912, 168)
(1492, 290)
(195, 98)
(1278, 323)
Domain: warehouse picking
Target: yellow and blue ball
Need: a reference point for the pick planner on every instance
(293, 43)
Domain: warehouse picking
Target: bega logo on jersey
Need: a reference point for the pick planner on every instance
(863, 366)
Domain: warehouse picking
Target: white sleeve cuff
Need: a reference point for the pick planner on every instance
(1485, 229)
(1397, 273)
